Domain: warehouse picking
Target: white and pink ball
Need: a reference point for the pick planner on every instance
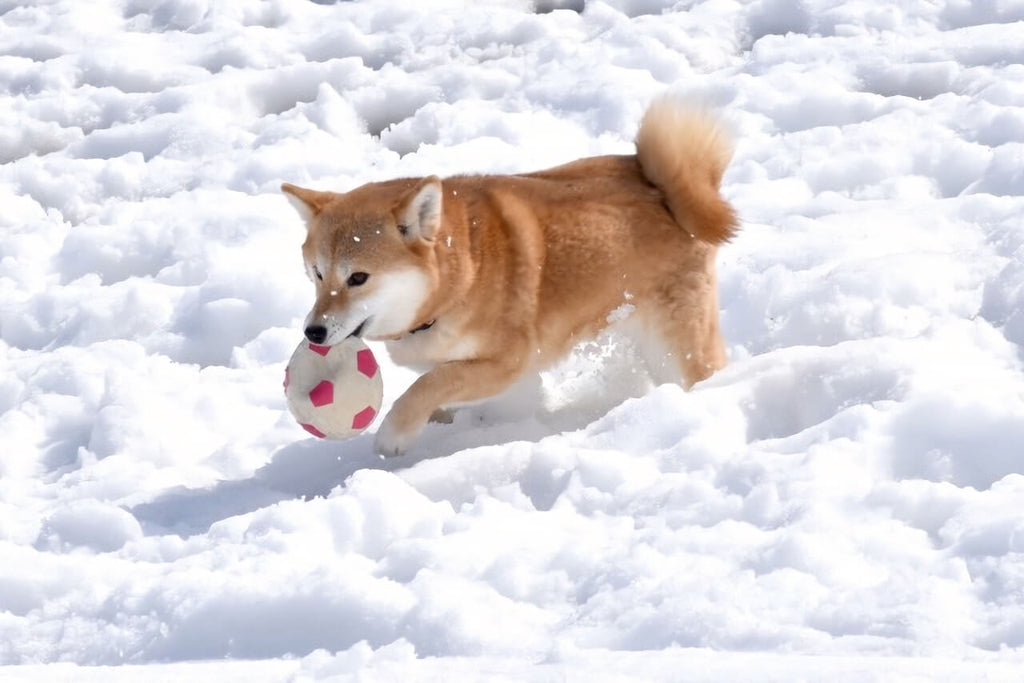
(334, 392)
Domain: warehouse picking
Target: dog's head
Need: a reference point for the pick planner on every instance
(370, 255)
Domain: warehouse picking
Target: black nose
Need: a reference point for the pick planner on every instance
(316, 334)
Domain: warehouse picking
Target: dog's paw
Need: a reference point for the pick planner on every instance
(391, 442)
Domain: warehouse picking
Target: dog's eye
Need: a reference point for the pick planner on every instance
(319, 275)
(356, 279)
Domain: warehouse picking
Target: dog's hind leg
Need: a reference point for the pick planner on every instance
(685, 316)
(694, 346)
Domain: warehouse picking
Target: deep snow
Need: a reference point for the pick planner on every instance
(851, 487)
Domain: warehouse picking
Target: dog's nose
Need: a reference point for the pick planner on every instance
(316, 334)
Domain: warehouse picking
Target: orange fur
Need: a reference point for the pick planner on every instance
(512, 271)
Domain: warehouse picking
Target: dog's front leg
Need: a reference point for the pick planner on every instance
(449, 383)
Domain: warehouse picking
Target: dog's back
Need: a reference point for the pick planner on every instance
(681, 150)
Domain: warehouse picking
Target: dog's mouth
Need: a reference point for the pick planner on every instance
(358, 332)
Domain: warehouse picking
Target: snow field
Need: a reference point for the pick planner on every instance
(850, 487)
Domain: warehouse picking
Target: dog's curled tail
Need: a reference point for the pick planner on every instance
(683, 151)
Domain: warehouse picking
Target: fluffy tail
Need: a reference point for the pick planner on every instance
(684, 152)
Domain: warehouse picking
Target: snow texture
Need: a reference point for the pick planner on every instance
(845, 501)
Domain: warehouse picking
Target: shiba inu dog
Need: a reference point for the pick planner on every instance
(480, 279)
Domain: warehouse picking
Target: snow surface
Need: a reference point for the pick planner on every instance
(844, 501)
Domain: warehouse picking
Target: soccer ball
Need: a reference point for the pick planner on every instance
(333, 392)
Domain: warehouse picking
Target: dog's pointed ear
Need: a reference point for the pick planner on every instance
(307, 202)
(419, 214)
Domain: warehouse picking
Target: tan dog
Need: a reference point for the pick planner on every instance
(480, 279)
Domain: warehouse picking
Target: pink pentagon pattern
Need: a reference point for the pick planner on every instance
(322, 394)
(366, 363)
(363, 418)
(313, 430)
(319, 348)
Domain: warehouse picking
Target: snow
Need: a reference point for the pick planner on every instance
(843, 501)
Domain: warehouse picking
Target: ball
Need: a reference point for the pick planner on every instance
(333, 392)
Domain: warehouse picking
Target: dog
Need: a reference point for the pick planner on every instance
(477, 280)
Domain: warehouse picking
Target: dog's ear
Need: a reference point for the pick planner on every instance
(419, 214)
(307, 202)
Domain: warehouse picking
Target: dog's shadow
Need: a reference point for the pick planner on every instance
(307, 469)
(313, 467)
(304, 469)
